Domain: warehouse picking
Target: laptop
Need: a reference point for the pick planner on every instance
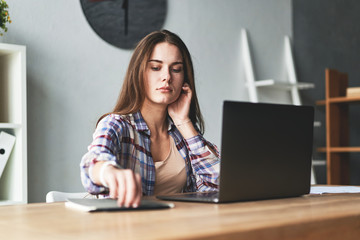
(266, 153)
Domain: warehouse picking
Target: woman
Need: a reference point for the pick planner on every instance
(151, 143)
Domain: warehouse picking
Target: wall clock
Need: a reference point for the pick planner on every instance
(123, 23)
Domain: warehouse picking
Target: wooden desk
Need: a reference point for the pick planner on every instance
(308, 217)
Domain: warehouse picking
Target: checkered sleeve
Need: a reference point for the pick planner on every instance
(103, 148)
(205, 161)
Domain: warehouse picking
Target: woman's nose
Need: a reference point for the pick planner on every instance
(166, 76)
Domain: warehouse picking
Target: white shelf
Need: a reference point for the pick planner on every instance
(13, 180)
(291, 84)
(8, 202)
(9, 125)
(283, 85)
(317, 124)
(318, 162)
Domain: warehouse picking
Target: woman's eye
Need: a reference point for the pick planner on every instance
(155, 68)
(176, 70)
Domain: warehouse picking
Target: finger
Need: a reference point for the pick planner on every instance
(121, 188)
(130, 188)
(111, 182)
(137, 199)
(113, 188)
(186, 89)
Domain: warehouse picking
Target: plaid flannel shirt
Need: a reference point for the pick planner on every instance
(125, 140)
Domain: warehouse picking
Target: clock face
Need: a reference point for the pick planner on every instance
(123, 23)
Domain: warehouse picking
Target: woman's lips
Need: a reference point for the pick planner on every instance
(164, 89)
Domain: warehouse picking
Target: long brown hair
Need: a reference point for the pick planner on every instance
(132, 93)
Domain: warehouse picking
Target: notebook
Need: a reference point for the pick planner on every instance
(108, 204)
(266, 152)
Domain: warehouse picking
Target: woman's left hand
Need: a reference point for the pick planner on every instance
(179, 110)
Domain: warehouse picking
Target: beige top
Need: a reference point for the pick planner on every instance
(170, 174)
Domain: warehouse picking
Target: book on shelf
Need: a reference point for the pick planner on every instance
(7, 142)
(353, 92)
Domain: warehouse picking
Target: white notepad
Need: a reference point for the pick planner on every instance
(108, 204)
(334, 189)
(7, 142)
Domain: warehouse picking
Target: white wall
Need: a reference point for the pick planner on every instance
(74, 76)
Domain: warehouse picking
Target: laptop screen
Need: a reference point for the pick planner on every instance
(266, 150)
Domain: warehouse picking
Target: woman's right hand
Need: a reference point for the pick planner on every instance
(124, 185)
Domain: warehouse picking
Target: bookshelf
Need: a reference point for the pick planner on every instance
(13, 181)
(337, 127)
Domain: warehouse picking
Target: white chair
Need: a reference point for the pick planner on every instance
(56, 196)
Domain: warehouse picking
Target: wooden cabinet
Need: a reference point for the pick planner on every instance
(337, 127)
(13, 181)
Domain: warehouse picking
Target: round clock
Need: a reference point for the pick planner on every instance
(123, 23)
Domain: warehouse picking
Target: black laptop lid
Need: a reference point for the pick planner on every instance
(266, 151)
